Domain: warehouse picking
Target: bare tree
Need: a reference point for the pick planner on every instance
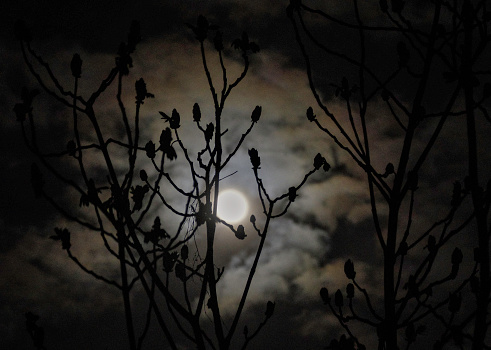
(440, 63)
(160, 259)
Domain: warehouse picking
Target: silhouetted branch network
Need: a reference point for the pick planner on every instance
(179, 279)
(451, 51)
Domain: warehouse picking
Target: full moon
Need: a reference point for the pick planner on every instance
(232, 206)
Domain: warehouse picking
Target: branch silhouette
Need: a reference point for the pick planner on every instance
(161, 259)
(423, 52)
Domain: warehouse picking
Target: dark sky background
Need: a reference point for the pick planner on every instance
(306, 249)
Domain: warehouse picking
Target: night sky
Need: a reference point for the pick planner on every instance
(329, 222)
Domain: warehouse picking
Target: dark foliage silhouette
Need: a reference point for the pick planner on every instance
(178, 276)
(449, 51)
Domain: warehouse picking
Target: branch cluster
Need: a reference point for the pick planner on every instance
(445, 52)
(179, 279)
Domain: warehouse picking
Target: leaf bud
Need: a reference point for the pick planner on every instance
(255, 159)
(196, 113)
(202, 214)
(350, 290)
(141, 91)
(326, 167)
(76, 65)
(389, 169)
(175, 121)
(319, 161)
(240, 232)
(168, 261)
(457, 256)
(310, 114)
(62, 235)
(150, 149)
(338, 298)
(210, 129)
(292, 194)
(349, 269)
(165, 139)
(143, 175)
(184, 252)
(325, 295)
(256, 114)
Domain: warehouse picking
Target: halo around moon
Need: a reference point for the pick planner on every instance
(232, 206)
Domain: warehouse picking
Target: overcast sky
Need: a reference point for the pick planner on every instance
(328, 223)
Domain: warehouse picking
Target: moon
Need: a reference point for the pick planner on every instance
(232, 206)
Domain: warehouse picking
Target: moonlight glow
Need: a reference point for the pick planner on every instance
(232, 206)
